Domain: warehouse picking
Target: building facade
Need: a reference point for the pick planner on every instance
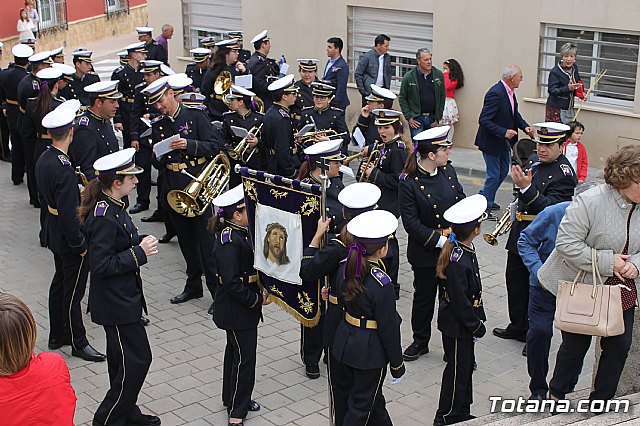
(71, 23)
(483, 36)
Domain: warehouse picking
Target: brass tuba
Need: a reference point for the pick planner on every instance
(196, 197)
(223, 83)
(258, 104)
(243, 151)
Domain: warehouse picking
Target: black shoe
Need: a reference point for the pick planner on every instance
(183, 297)
(494, 207)
(88, 353)
(145, 420)
(138, 208)
(36, 204)
(145, 321)
(475, 366)
(490, 216)
(254, 406)
(166, 238)
(58, 343)
(312, 370)
(155, 217)
(414, 351)
(154, 183)
(506, 333)
(524, 350)
(236, 424)
(210, 310)
(17, 183)
(534, 397)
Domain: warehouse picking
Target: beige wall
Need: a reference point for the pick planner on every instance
(483, 35)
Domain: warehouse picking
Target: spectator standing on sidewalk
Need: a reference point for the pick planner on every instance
(24, 27)
(163, 40)
(453, 79)
(32, 13)
(575, 151)
(374, 67)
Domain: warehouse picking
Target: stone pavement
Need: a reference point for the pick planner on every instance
(184, 384)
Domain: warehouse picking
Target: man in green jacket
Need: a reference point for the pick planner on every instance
(422, 94)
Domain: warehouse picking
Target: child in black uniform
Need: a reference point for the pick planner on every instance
(461, 315)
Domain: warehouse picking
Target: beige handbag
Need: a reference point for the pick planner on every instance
(590, 309)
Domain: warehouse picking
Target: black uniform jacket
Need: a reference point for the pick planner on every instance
(248, 121)
(141, 107)
(304, 99)
(115, 257)
(277, 137)
(129, 80)
(156, 52)
(331, 118)
(75, 88)
(93, 137)
(332, 205)
(423, 201)
(214, 101)
(368, 129)
(368, 348)
(238, 300)
(386, 175)
(9, 80)
(552, 183)
(27, 88)
(460, 312)
(196, 74)
(262, 67)
(203, 142)
(32, 127)
(59, 197)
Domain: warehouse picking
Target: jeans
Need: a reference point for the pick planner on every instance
(542, 308)
(497, 170)
(425, 123)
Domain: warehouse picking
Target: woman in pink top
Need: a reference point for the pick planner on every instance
(34, 389)
(453, 79)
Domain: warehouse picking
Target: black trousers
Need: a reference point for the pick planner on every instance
(311, 341)
(65, 294)
(143, 159)
(4, 137)
(162, 206)
(125, 113)
(392, 262)
(571, 355)
(456, 393)
(239, 371)
(29, 146)
(339, 385)
(517, 279)
(17, 154)
(365, 403)
(196, 245)
(424, 300)
(128, 361)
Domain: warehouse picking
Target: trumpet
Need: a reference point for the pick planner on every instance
(243, 151)
(349, 159)
(502, 227)
(196, 197)
(372, 159)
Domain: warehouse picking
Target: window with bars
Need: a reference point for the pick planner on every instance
(209, 18)
(113, 7)
(409, 31)
(53, 14)
(598, 50)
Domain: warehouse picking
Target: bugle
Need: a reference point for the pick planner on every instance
(349, 159)
(372, 159)
(243, 151)
(502, 227)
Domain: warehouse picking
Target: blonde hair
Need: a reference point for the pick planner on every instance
(623, 167)
(17, 334)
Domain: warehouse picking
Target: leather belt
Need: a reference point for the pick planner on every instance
(176, 167)
(333, 299)
(524, 217)
(12, 102)
(444, 232)
(245, 279)
(127, 100)
(361, 323)
(52, 210)
(43, 136)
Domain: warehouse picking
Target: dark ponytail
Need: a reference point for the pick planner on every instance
(411, 164)
(305, 169)
(445, 254)
(92, 192)
(43, 100)
(217, 221)
(355, 284)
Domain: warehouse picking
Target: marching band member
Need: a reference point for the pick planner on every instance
(94, 135)
(549, 179)
(369, 337)
(199, 141)
(116, 298)
(323, 115)
(82, 77)
(460, 314)
(57, 55)
(384, 172)
(262, 68)
(63, 236)
(319, 262)
(154, 50)
(243, 54)
(238, 305)
(181, 83)
(428, 186)
(129, 79)
(241, 115)
(308, 69)
(193, 100)
(224, 59)
(327, 152)
(198, 68)
(277, 133)
(379, 98)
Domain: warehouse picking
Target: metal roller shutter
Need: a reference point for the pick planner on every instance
(204, 18)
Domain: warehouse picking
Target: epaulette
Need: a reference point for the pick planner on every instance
(380, 276)
(84, 121)
(403, 177)
(156, 119)
(117, 70)
(339, 241)
(101, 209)
(35, 85)
(284, 113)
(140, 85)
(228, 112)
(309, 107)
(225, 235)
(401, 145)
(31, 99)
(456, 254)
(337, 109)
(566, 169)
(64, 160)
(259, 113)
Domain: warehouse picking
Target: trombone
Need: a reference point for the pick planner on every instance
(243, 151)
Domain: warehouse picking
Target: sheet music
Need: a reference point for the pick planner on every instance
(245, 81)
(240, 132)
(306, 129)
(359, 137)
(164, 146)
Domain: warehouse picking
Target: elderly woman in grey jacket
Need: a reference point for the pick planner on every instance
(607, 219)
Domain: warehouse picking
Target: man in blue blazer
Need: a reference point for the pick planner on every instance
(499, 123)
(336, 72)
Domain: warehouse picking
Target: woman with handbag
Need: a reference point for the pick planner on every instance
(599, 234)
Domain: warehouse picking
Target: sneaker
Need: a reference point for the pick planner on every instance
(414, 351)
